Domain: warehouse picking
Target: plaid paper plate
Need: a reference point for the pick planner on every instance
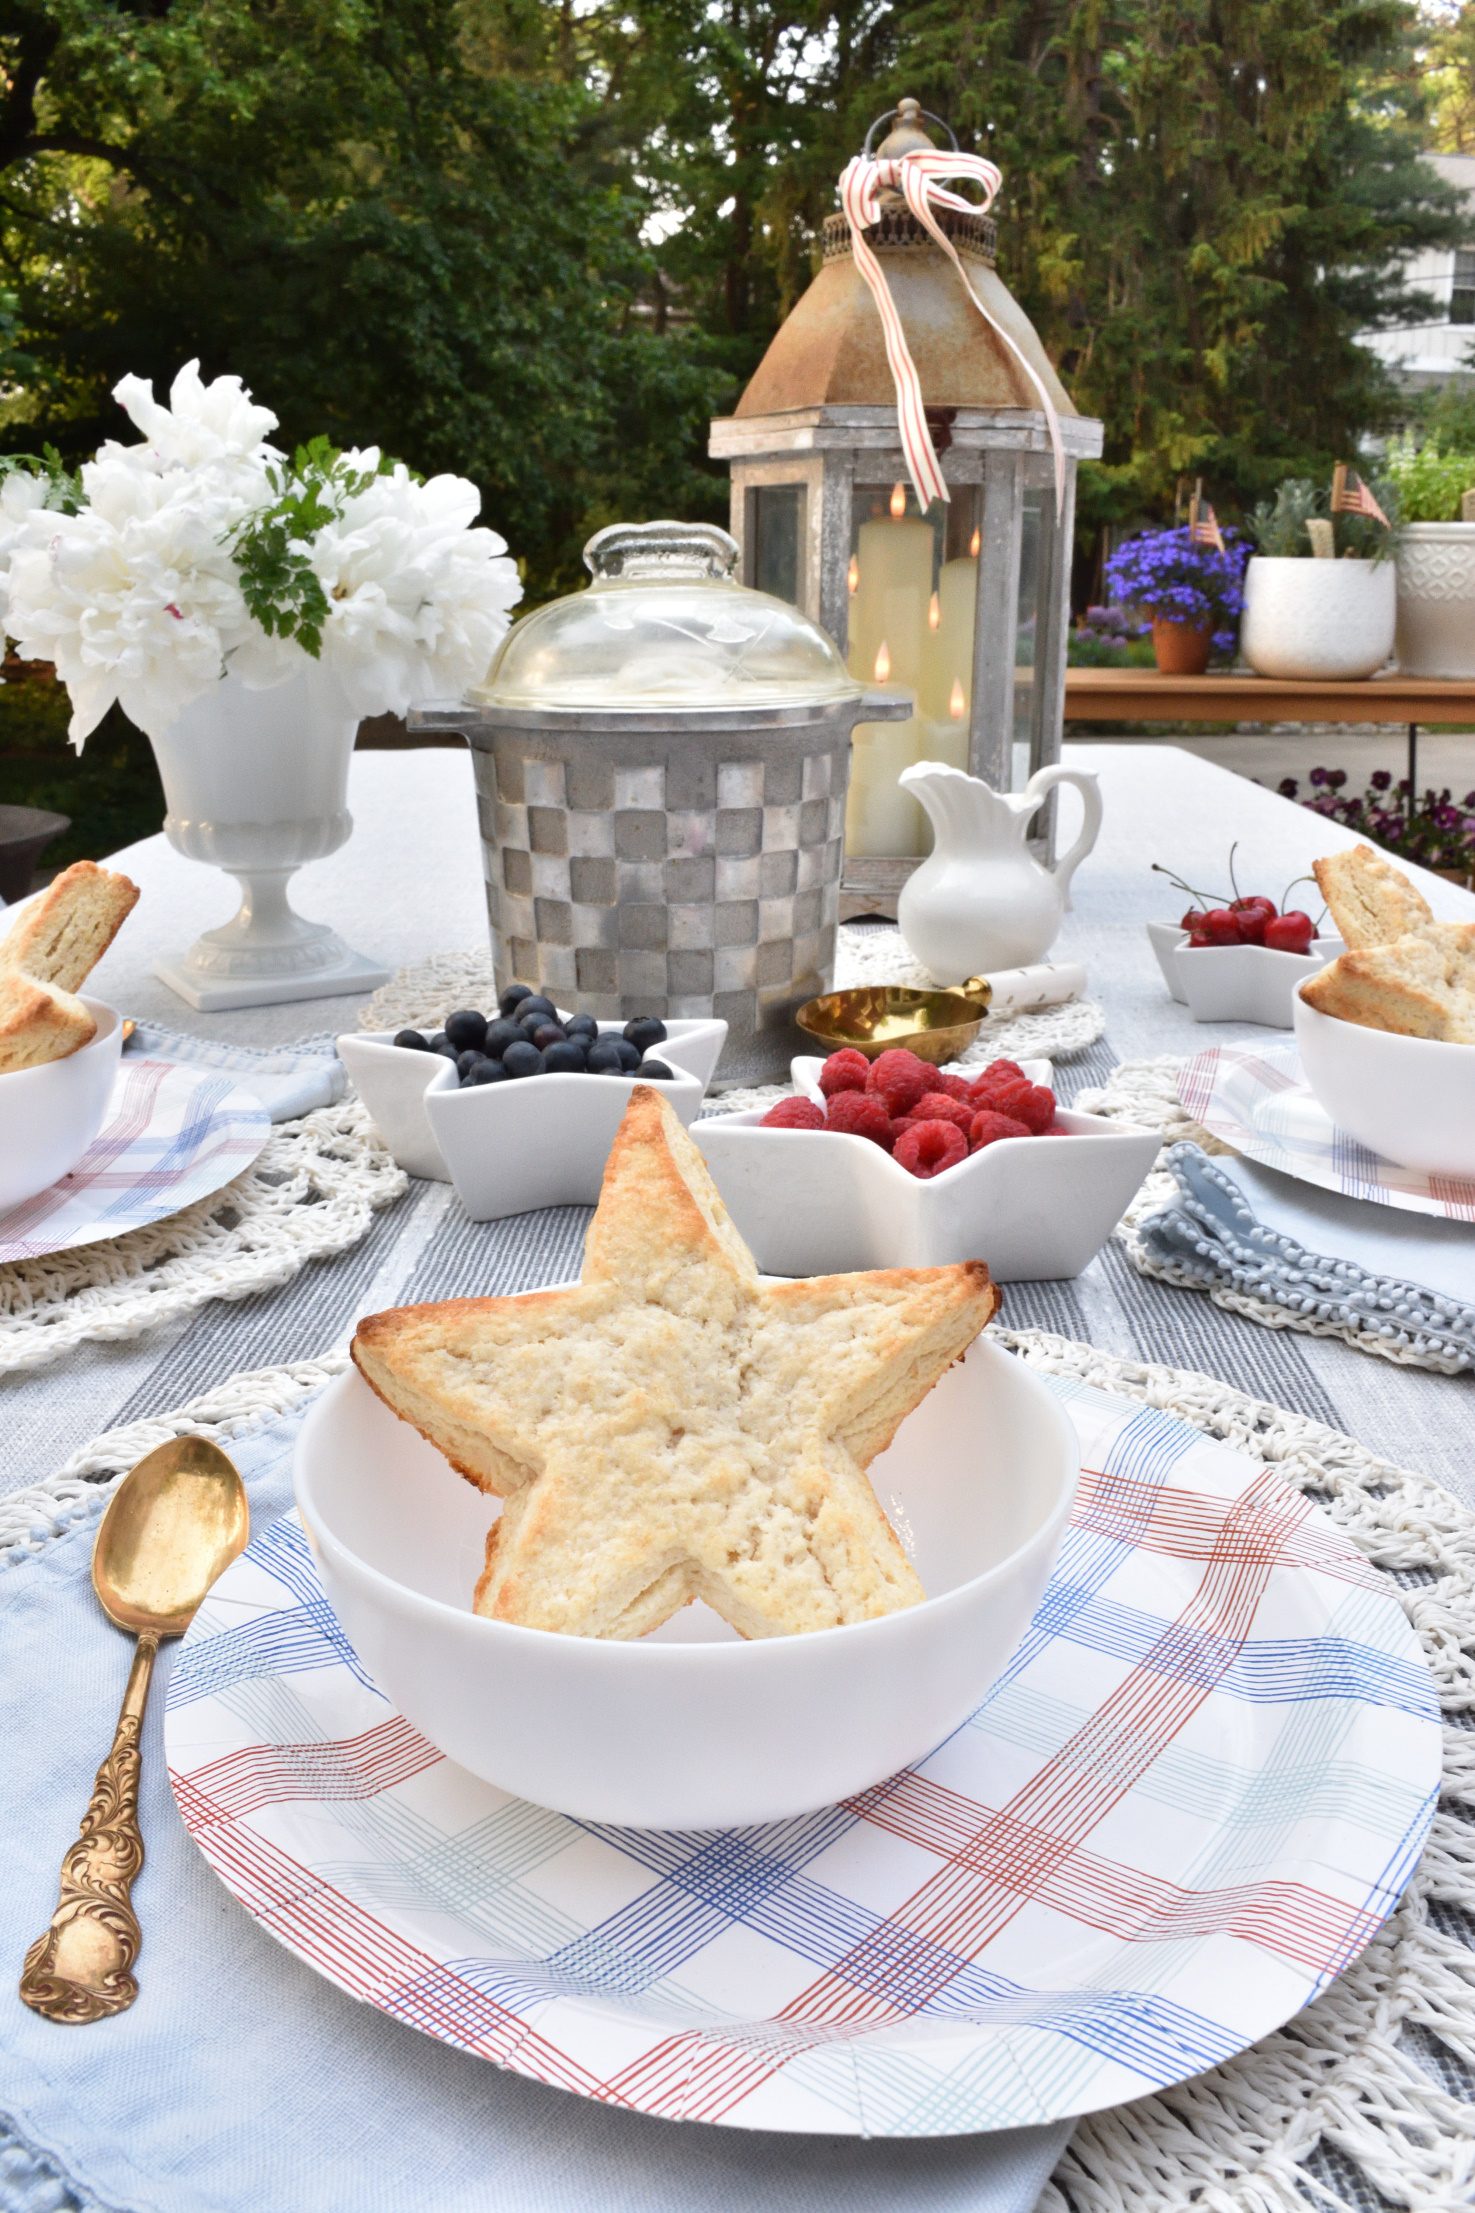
(1257, 1100)
(172, 1135)
(1194, 1795)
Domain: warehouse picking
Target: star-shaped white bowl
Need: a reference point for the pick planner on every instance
(690, 1727)
(815, 1202)
(510, 1147)
(1236, 983)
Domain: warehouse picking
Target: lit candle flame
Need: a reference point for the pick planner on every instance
(934, 613)
(883, 663)
(898, 500)
(973, 544)
(852, 574)
(957, 706)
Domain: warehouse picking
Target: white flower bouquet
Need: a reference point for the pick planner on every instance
(203, 552)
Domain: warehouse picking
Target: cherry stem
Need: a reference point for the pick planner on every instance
(1290, 887)
(1205, 899)
(1233, 880)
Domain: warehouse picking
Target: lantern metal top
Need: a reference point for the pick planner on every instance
(832, 352)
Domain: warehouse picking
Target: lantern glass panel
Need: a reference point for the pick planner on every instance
(1030, 630)
(777, 535)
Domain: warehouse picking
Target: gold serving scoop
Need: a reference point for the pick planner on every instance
(174, 1524)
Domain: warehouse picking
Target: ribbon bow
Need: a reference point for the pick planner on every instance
(918, 176)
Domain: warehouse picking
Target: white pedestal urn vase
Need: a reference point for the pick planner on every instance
(256, 783)
(1436, 600)
(1320, 621)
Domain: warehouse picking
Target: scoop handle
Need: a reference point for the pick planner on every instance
(81, 1968)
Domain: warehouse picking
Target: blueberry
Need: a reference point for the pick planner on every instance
(535, 1003)
(549, 1033)
(523, 1059)
(499, 1036)
(629, 1054)
(513, 996)
(447, 1052)
(604, 1058)
(484, 1071)
(412, 1041)
(466, 1061)
(565, 1057)
(581, 1025)
(656, 1071)
(645, 1031)
(438, 1041)
(467, 1030)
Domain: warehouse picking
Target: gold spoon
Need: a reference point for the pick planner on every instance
(175, 1523)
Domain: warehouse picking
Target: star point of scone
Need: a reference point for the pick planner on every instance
(671, 1427)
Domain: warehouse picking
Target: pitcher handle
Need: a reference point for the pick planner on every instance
(1087, 784)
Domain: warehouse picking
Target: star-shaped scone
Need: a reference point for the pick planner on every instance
(671, 1427)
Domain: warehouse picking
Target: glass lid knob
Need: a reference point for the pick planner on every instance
(666, 551)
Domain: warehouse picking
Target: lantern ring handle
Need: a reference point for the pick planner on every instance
(940, 121)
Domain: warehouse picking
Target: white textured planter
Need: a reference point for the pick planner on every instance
(1318, 620)
(1436, 600)
(256, 783)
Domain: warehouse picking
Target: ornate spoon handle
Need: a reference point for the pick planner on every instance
(81, 1969)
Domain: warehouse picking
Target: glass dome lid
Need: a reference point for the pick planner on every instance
(664, 624)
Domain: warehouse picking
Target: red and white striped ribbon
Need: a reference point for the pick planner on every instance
(918, 176)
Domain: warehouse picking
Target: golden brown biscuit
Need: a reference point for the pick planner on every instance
(1372, 902)
(671, 1427)
(1419, 986)
(39, 1023)
(61, 936)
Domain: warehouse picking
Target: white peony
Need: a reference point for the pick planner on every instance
(138, 599)
(21, 494)
(418, 600)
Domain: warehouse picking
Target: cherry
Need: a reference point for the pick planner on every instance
(1290, 933)
(1221, 927)
(1253, 915)
(1191, 918)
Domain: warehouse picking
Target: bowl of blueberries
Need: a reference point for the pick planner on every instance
(519, 1109)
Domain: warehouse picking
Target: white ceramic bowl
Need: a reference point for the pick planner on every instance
(1412, 1099)
(815, 1202)
(50, 1115)
(1236, 983)
(511, 1147)
(692, 1728)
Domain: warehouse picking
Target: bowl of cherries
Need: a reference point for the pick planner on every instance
(1238, 958)
(518, 1109)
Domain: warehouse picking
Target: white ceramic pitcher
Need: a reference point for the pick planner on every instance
(981, 900)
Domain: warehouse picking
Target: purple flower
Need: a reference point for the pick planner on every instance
(1164, 573)
(1288, 787)
(1380, 779)
(1318, 776)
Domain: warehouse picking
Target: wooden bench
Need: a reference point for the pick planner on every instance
(1143, 695)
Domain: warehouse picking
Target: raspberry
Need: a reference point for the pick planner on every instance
(924, 1149)
(844, 1071)
(859, 1114)
(956, 1087)
(900, 1079)
(989, 1127)
(937, 1106)
(1029, 1103)
(793, 1114)
(997, 1072)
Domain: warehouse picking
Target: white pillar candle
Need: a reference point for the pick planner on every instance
(947, 661)
(892, 579)
(882, 820)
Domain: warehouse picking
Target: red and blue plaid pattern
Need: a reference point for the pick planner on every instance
(1191, 1799)
(172, 1135)
(1258, 1101)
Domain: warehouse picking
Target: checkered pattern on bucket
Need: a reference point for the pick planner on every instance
(1190, 1801)
(689, 887)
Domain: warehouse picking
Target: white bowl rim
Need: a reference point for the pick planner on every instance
(1099, 1126)
(1394, 1038)
(1277, 952)
(106, 1031)
(642, 1652)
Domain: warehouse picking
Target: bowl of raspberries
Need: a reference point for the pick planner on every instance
(518, 1108)
(891, 1163)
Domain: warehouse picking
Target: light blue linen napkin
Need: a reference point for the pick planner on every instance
(242, 2082)
(1408, 1277)
(288, 1079)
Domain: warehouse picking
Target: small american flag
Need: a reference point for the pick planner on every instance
(1350, 496)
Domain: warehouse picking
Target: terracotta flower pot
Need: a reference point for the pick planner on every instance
(1182, 648)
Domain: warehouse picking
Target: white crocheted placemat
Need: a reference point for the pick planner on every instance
(1146, 1092)
(1372, 2087)
(430, 990)
(310, 1193)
